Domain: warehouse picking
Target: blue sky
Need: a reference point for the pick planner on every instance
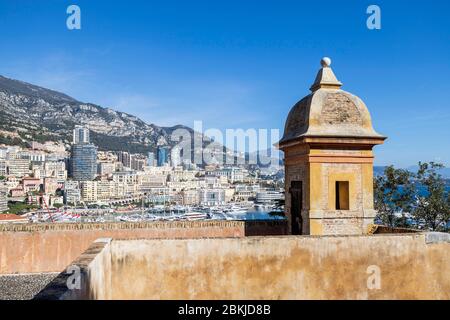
(242, 64)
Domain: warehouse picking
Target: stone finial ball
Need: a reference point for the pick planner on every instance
(325, 62)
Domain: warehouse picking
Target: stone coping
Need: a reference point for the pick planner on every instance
(429, 237)
(436, 237)
(380, 229)
(36, 227)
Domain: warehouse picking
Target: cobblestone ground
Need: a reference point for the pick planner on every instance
(23, 286)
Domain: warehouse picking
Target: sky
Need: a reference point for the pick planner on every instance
(242, 64)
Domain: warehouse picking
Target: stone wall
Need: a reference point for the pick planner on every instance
(411, 267)
(401, 266)
(29, 248)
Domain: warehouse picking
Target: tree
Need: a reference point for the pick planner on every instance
(19, 207)
(433, 207)
(393, 194)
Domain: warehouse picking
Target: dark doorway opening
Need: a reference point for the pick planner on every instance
(342, 195)
(296, 207)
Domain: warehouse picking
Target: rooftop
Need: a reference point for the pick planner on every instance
(5, 217)
(329, 111)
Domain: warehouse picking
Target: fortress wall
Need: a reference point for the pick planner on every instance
(412, 266)
(30, 248)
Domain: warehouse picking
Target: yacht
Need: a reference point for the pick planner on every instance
(235, 210)
(194, 216)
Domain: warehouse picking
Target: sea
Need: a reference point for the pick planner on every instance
(258, 215)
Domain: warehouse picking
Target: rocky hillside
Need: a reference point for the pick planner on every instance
(34, 113)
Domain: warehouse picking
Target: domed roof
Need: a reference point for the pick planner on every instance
(328, 111)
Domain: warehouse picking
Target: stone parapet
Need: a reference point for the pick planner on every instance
(50, 247)
(287, 267)
(36, 227)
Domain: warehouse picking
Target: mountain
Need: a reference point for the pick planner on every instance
(32, 113)
(267, 158)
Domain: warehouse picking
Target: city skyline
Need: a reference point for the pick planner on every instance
(255, 65)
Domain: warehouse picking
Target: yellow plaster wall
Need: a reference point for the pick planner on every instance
(316, 227)
(316, 191)
(290, 267)
(367, 185)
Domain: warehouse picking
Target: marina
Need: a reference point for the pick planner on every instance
(156, 213)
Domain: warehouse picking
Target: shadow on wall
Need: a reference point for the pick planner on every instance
(266, 228)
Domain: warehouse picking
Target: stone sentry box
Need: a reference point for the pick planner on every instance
(327, 142)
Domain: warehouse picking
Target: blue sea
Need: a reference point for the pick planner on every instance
(422, 190)
(258, 215)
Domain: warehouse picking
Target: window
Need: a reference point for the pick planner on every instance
(342, 195)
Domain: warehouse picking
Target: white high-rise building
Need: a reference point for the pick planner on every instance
(3, 152)
(72, 192)
(3, 198)
(151, 159)
(3, 168)
(80, 135)
(175, 156)
(18, 167)
(212, 197)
